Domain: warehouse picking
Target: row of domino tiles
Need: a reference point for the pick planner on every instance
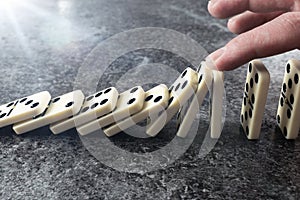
(113, 112)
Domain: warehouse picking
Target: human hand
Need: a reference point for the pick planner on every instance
(265, 28)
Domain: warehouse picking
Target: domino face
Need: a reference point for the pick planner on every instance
(59, 108)
(254, 100)
(155, 101)
(128, 103)
(24, 108)
(288, 112)
(94, 106)
(180, 92)
(188, 112)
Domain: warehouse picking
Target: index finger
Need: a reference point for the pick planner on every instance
(229, 8)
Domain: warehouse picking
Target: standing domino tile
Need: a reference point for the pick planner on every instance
(129, 103)
(254, 100)
(59, 108)
(24, 108)
(288, 112)
(180, 92)
(94, 106)
(156, 100)
(188, 112)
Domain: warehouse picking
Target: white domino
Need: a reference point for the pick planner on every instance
(129, 103)
(180, 92)
(94, 106)
(254, 100)
(188, 112)
(59, 108)
(156, 99)
(288, 112)
(24, 108)
(217, 104)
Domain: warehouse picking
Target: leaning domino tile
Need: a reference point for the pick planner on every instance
(129, 102)
(156, 99)
(59, 108)
(180, 92)
(217, 104)
(24, 108)
(217, 100)
(94, 106)
(188, 112)
(254, 100)
(288, 112)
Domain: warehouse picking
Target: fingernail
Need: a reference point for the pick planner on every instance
(209, 63)
(213, 57)
(211, 3)
(231, 20)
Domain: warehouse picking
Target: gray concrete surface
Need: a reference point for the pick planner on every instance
(44, 43)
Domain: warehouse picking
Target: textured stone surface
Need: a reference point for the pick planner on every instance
(43, 44)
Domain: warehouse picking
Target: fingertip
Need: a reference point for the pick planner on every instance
(214, 9)
(218, 60)
(210, 7)
(216, 54)
(212, 59)
(221, 60)
(209, 63)
(226, 67)
(233, 25)
(222, 65)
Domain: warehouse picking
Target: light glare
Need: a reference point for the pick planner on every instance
(7, 3)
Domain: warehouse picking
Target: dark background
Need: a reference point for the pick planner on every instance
(42, 46)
